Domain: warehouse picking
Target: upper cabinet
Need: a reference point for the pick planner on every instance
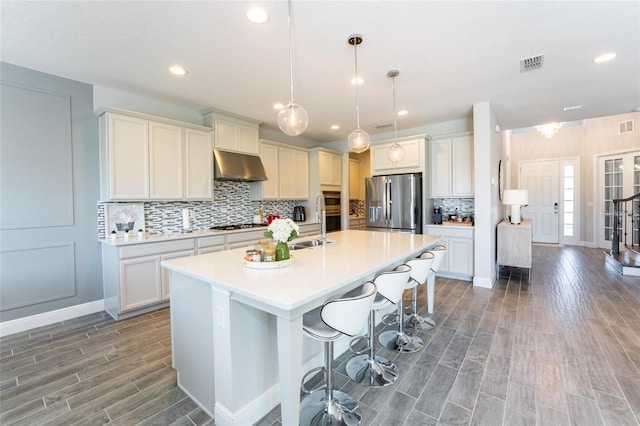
(413, 161)
(287, 171)
(233, 133)
(356, 181)
(451, 167)
(146, 159)
(330, 168)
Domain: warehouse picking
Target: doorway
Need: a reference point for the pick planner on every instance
(618, 177)
(554, 188)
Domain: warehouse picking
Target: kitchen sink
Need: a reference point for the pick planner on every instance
(306, 244)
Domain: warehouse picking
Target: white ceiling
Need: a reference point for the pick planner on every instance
(450, 55)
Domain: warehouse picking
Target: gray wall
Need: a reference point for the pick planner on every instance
(49, 189)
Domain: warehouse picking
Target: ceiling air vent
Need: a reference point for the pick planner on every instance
(625, 127)
(531, 63)
(383, 125)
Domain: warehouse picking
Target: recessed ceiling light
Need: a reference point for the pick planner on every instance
(257, 15)
(403, 112)
(573, 107)
(278, 106)
(604, 57)
(177, 70)
(335, 127)
(357, 81)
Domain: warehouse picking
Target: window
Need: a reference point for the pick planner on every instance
(568, 200)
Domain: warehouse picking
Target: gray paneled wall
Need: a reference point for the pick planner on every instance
(49, 186)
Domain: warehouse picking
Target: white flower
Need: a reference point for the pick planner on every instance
(282, 230)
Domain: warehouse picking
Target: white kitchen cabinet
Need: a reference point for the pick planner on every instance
(356, 182)
(133, 281)
(458, 260)
(198, 154)
(413, 161)
(309, 229)
(244, 239)
(451, 167)
(210, 244)
(330, 168)
(165, 287)
(166, 165)
(287, 171)
(358, 223)
(293, 174)
(267, 189)
(231, 132)
(145, 159)
(125, 157)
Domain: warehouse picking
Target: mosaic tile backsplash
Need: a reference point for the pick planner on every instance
(465, 206)
(231, 205)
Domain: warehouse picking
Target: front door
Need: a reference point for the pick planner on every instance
(540, 178)
(619, 177)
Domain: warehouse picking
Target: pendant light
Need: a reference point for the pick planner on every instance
(396, 151)
(358, 140)
(292, 119)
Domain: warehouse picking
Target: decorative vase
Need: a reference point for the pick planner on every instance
(282, 251)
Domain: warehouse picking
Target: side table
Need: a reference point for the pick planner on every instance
(514, 244)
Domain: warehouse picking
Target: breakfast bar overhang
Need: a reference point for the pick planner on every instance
(232, 325)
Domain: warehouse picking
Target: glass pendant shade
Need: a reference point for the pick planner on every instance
(396, 153)
(359, 141)
(293, 119)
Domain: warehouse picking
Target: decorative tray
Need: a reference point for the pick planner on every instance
(267, 265)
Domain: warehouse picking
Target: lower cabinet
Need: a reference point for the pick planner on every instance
(358, 223)
(133, 279)
(458, 259)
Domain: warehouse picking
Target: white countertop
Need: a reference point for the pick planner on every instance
(152, 238)
(352, 257)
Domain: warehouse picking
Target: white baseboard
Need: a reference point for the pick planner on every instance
(51, 317)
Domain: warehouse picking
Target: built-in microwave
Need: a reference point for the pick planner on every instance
(332, 205)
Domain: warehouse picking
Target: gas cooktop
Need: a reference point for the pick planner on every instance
(238, 226)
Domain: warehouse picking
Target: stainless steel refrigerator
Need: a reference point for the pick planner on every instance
(394, 203)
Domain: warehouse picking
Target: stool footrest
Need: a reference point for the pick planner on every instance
(390, 319)
(354, 341)
(322, 385)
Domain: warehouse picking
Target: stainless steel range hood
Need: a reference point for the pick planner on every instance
(234, 166)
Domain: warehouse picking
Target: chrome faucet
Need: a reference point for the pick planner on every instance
(321, 216)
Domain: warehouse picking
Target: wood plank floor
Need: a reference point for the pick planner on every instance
(559, 346)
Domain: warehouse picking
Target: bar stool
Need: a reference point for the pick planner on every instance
(398, 340)
(438, 255)
(369, 369)
(420, 269)
(327, 323)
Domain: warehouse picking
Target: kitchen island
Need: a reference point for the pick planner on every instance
(231, 326)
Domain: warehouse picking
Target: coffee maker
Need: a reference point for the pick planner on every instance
(299, 214)
(437, 215)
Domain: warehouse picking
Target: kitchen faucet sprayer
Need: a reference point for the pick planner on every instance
(321, 216)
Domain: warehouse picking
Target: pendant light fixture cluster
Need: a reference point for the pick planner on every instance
(358, 140)
(396, 151)
(293, 118)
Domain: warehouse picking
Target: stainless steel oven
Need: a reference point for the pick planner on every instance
(332, 204)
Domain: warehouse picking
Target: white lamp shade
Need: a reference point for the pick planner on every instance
(519, 197)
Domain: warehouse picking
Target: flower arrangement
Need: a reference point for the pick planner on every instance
(282, 230)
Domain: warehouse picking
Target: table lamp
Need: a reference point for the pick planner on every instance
(515, 198)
